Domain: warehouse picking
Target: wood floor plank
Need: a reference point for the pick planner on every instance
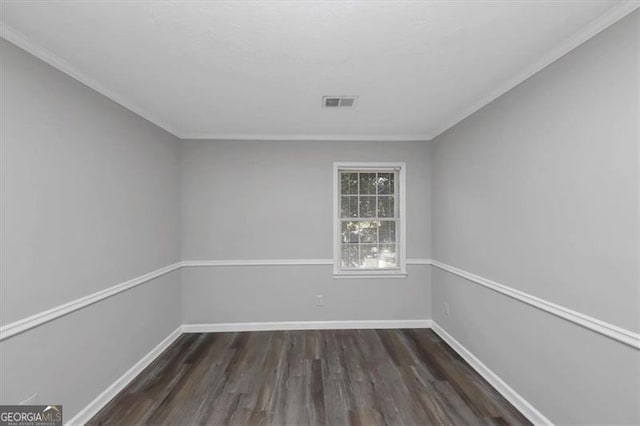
(329, 377)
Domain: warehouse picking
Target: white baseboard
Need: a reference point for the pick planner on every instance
(109, 393)
(528, 410)
(304, 325)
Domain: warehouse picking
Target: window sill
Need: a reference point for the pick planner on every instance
(369, 275)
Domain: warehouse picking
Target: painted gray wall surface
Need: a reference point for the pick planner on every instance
(570, 374)
(274, 200)
(71, 360)
(89, 190)
(539, 191)
(89, 199)
(287, 293)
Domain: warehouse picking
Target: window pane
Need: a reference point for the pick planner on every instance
(349, 183)
(350, 232)
(369, 232)
(367, 206)
(387, 231)
(367, 183)
(369, 255)
(385, 183)
(350, 258)
(388, 256)
(386, 206)
(367, 225)
(349, 206)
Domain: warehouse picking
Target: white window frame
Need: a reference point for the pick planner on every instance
(401, 222)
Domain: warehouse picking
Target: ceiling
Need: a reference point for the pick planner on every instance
(259, 69)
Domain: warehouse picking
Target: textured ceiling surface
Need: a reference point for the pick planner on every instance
(259, 69)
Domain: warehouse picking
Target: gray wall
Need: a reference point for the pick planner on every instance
(539, 191)
(287, 293)
(274, 200)
(89, 200)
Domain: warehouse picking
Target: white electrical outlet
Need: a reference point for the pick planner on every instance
(447, 309)
(30, 400)
(319, 300)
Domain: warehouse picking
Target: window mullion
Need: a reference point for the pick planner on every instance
(396, 202)
(359, 214)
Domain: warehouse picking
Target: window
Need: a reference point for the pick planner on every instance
(369, 225)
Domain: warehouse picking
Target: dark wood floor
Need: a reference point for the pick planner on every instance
(336, 377)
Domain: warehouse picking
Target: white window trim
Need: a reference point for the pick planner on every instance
(401, 245)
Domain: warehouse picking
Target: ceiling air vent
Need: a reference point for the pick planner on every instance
(339, 101)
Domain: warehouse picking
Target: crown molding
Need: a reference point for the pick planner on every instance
(599, 24)
(23, 42)
(615, 14)
(306, 137)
